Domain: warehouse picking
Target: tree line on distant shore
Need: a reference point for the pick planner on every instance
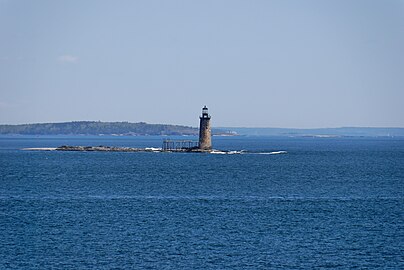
(97, 128)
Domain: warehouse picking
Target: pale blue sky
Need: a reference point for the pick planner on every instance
(254, 63)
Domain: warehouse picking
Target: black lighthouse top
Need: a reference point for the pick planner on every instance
(205, 114)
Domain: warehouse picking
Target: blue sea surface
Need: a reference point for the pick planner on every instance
(335, 203)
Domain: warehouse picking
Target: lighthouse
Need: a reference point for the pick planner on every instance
(205, 134)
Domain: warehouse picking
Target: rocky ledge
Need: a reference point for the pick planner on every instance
(103, 148)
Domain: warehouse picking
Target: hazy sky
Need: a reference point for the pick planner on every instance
(253, 63)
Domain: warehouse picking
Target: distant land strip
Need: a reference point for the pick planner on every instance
(97, 128)
(320, 132)
(100, 128)
(142, 129)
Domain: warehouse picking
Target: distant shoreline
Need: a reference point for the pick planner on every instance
(98, 128)
(120, 129)
(321, 132)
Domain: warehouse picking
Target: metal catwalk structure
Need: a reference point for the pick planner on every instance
(176, 145)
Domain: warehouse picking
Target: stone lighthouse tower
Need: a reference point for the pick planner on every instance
(205, 134)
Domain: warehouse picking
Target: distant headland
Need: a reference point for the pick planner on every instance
(99, 128)
(103, 128)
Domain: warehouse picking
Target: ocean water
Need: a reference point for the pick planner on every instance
(329, 203)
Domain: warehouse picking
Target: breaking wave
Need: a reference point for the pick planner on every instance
(218, 152)
(273, 153)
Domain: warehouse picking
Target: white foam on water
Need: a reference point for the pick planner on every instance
(273, 153)
(218, 152)
(235, 152)
(226, 152)
(39, 149)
